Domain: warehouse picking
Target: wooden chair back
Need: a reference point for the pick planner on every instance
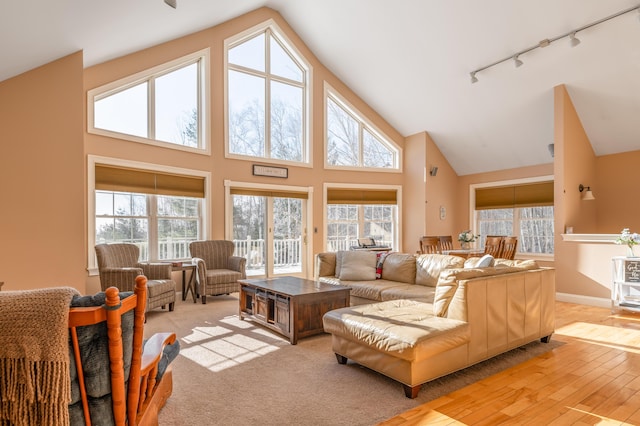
(493, 245)
(429, 245)
(446, 242)
(509, 246)
(140, 402)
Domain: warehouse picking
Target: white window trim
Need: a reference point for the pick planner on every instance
(92, 160)
(228, 212)
(472, 204)
(329, 91)
(308, 93)
(132, 80)
(398, 188)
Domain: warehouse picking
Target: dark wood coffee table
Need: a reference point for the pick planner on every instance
(290, 306)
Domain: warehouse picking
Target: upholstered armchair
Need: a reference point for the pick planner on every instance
(119, 266)
(218, 269)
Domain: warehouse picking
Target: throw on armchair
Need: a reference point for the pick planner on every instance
(119, 266)
(218, 270)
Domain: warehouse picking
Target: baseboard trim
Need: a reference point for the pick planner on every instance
(583, 300)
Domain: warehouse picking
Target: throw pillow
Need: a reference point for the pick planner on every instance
(379, 263)
(485, 261)
(358, 266)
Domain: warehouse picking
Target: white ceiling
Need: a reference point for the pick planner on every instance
(408, 59)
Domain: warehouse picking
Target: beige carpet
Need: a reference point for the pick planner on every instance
(232, 372)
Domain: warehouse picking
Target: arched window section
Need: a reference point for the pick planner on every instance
(353, 142)
(267, 97)
(166, 105)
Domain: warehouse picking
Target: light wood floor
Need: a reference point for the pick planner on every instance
(594, 378)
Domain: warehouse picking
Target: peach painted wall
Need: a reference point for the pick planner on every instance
(617, 194)
(581, 269)
(42, 177)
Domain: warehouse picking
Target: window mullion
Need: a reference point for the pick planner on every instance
(152, 209)
(267, 95)
(151, 108)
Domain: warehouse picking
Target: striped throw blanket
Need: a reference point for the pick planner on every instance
(35, 387)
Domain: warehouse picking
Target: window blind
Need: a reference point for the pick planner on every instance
(361, 196)
(269, 193)
(124, 179)
(521, 195)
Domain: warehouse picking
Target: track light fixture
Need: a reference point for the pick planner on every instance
(574, 41)
(172, 3)
(517, 62)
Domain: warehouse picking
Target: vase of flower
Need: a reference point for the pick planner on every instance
(630, 240)
(466, 238)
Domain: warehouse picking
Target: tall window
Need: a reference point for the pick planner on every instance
(164, 105)
(159, 211)
(357, 213)
(524, 210)
(266, 98)
(162, 226)
(352, 142)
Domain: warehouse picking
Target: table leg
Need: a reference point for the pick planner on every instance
(184, 295)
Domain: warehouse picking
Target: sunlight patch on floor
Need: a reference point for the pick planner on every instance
(603, 420)
(217, 348)
(626, 339)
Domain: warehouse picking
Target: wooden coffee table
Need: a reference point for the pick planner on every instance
(290, 306)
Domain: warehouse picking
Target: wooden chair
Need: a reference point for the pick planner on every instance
(136, 399)
(429, 244)
(493, 245)
(446, 243)
(509, 246)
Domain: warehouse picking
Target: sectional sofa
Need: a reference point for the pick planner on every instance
(443, 318)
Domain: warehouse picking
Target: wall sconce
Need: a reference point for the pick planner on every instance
(588, 195)
(433, 171)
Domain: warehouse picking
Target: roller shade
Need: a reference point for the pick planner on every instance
(522, 195)
(124, 179)
(361, 196)
(269, 193)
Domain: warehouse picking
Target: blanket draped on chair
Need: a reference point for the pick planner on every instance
(34, 356)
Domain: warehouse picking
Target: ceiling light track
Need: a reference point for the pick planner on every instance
(574, 41)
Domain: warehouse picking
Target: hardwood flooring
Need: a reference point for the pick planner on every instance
(594, 378)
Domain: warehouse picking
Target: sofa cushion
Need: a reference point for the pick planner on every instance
(358, 266)
(485, 261)
(429, 266)
(399, 267)
(403, 328)
(525, 264)
(326, 264)
(372, 289)
(419, 293)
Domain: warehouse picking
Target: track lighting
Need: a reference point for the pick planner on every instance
(574, 41)
(172, 3)
(517, 62)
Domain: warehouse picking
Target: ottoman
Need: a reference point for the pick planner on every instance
(401, 339)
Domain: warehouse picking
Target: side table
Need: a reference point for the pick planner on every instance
(191, 284)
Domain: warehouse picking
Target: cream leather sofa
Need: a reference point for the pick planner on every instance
(475, 314)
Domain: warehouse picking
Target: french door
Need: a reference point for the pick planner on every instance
(269, 230)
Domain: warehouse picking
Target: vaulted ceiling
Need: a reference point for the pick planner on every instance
(408, 59)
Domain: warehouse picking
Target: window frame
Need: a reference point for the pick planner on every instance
(92, 160)
(473, 217)
(397, 242)
(363, 124)
(301, 61)
(200, 57)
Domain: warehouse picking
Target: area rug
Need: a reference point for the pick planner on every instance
(234, 372)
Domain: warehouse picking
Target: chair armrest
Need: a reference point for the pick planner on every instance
(152, 351)
(123, 278)
(157, 271)
(238, 263)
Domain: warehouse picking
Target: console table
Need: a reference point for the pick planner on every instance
(290, 306)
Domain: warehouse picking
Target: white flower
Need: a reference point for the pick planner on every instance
(628, 238)
(467, 236)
